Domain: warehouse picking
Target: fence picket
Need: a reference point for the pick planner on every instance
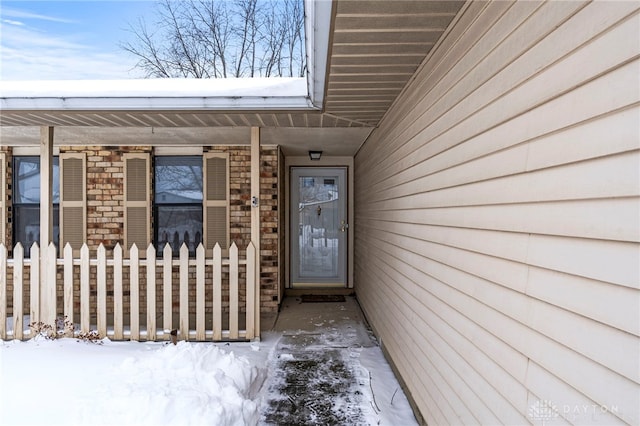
(3, 292)
(68, 282)
(151, 293)
(49, 287)
(101, 288)
(18, 263)
(184, 292)
(167, 309)
(200, 331)
(233, 291)
(85, 308)
(134, 287)
(118, 326)
(34, 285)
(94, 310)
(217, 292)
(251, 292)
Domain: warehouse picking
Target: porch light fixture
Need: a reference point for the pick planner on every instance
(315, 155)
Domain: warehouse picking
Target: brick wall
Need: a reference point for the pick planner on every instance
(105, 218)
(240, 213)
(8, 228)
(105, 193)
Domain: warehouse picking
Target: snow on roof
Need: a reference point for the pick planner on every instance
(230, 93)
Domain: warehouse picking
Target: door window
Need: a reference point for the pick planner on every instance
(318, 220)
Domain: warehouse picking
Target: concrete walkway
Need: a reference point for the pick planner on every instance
(316, 376)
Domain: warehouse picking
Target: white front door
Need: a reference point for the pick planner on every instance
(318, 227)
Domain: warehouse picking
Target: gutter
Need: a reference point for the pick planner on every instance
(233, 94)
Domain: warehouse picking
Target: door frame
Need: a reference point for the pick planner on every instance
(324, 162)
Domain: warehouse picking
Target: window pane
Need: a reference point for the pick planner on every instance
(27, 225)
(177, 225)
(26, 205)
(178, 180)
(27, 180)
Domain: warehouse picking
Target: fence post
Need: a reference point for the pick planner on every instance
(68, 282)
(255, 218)
(233, 291)
(118, 332)
(18, 264)
(251, 291)
(134, 292)
(101, 275)
(34, 284)
(167, 295)
(217, 292)
(85, 290)
(200, 332)
(3, 292)
(184, 292)
(151, 293)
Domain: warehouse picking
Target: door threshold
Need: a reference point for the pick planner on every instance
(297, 292)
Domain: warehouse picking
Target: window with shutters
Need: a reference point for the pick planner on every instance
(136, 201)
(191, 202)
(73, 210)
(178, 190)
(26, 201)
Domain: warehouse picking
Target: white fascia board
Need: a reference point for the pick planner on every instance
(161, 94)
(157, 103)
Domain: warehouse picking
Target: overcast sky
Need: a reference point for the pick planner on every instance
(67, 40)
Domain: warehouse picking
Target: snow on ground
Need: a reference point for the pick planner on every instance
(65, 381)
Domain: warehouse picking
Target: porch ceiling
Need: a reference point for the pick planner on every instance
(374, 49)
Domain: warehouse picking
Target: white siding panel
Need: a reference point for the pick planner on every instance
(617, 349)
(605, 219)
(516, 93)
(608, 261)
(575, 407)
(579, 181)
(446, 381)
(487, 132)
(497, 217)
(560, 289)
(619, 129)
(456, 333)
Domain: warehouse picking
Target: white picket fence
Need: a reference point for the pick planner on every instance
(42, 300)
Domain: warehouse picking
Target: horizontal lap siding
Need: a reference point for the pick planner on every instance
(497, 218)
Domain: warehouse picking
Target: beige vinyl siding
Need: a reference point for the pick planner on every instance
(137, 190)
(73, 200)
(497, 217)
(216, 201)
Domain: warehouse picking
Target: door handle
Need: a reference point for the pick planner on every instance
(343, 226)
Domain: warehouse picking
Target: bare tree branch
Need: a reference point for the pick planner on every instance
(220, 38)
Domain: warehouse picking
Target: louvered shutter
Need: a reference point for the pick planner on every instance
(216, 200)
(73, 200)
(136, 201)
(3, 198)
